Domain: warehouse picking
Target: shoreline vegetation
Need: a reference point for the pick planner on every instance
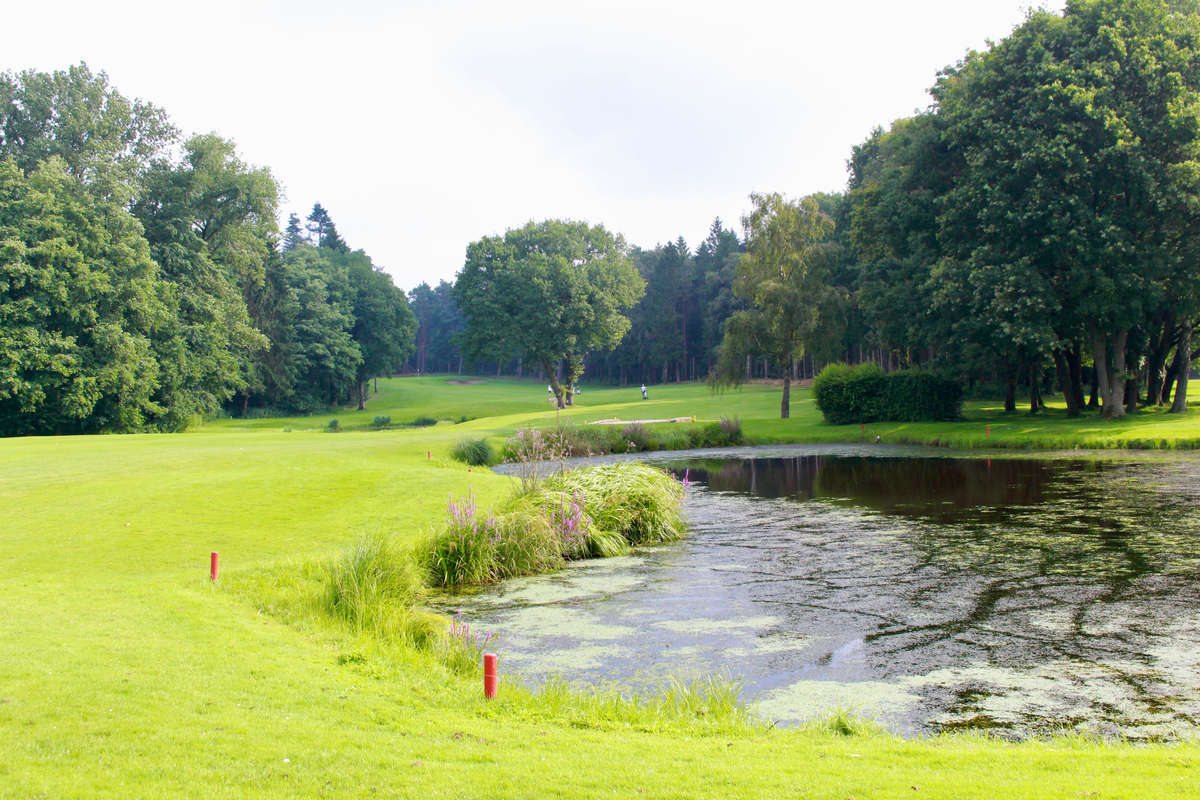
(127, 671)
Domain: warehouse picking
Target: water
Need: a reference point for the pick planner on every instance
(1017, 596)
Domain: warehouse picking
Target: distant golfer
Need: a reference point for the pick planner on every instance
(643, 391)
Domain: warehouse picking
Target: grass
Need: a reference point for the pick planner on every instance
(125, 672)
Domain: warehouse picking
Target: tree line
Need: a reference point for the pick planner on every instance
(1035, 227)
(144, 282)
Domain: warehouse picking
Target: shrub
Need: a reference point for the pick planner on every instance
(381, 422)
(726, 433)
(528, 449)
(639, 502)
(846, 395)
(476, 452)
(333, 426)
(423, 422)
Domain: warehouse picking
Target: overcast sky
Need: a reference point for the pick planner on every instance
(422, 126)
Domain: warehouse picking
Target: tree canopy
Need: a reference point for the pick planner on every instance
(548, 292)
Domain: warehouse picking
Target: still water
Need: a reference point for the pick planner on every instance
(1018, 596)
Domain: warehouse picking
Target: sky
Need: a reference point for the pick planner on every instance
(424, 126)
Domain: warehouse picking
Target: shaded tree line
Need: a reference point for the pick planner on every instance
(144, 281)
(1040, 221)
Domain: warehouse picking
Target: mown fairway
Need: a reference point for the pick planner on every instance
(124, 672)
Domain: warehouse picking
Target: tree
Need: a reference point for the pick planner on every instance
(322, 231)
(549, 292)
(293, 234)
(1080, 138)
(81, 304)
(210, 222)
(785, 277)
(326, 358)
(384, 327)
(439, 323)
(105, 140)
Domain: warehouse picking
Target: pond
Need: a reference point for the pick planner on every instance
(1015, 595)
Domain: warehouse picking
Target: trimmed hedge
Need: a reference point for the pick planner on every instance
(847, 395)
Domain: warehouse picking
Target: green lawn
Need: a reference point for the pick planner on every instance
(125, 672)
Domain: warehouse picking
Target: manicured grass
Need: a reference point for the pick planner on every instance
(124, 672)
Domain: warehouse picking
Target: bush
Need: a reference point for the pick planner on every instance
(639, 502)
(381, 422)
(476, 452)
(865, 393)
(333, 426)
(423, 422)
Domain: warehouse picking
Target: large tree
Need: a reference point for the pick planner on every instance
(1081, 140)
(384, 326)
(786, 279)
(81, 305)
(106, 140)
(549, 292)
(210, 221)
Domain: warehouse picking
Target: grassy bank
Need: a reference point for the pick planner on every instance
(124, 672)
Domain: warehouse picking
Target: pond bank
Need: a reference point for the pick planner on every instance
(933, 593)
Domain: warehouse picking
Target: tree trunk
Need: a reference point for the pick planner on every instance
(1066, 382)
(1110, 370)
(1156, 360)
(1183, 357)
(362, 395)
(1131, 396)
(1035, 398)
(785, 406)
(1010, 394)
(1075, 366)
(552, 378)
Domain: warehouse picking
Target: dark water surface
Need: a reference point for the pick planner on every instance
(1016, 595)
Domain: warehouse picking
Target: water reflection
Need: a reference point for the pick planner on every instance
(1015, 595)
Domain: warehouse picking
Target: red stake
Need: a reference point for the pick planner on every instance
(864, 426)
(489, 675)
(212, 566)
(426, 455)
(989, 430)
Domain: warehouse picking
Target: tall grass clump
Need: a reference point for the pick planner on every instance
(476, 452)
(639, 502)
(711, 702)
(374, 587)
(462, 648)
(844, 722)
(472, 549)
